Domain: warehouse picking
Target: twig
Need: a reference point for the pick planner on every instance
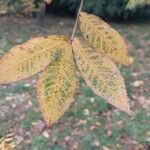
(75, 26)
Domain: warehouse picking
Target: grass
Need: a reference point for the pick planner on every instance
(90, 123)
(39, 142)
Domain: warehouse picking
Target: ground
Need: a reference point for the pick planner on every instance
(90, 123)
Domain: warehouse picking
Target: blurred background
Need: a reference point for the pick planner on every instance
(90, 123)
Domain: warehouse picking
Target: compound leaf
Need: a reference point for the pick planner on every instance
(56, 86)
(101, 75)
(103, 38)
(29, 58)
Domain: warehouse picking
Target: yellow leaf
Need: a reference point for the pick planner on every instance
(8, 142)
(137, 83)
(29, 58)
(56, 86)
(103, 38)
(101, 75)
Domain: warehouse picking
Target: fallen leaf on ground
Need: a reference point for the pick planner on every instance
(137, 83)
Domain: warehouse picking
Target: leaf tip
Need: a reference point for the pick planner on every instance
(127, 63)
(130, 112)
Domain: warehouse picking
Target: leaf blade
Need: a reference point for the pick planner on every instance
(29, 58)
(101, 75)
(103, 38)
(56, 87)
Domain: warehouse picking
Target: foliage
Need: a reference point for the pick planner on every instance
(3, 7)
(116, 9)
(85, 130)
(56, 84)
(25, 7)
(99, 73)
(29, 58)
(103, 38)
(133, 3)
(108, 9)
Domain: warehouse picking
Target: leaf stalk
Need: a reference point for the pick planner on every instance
(75, 26)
